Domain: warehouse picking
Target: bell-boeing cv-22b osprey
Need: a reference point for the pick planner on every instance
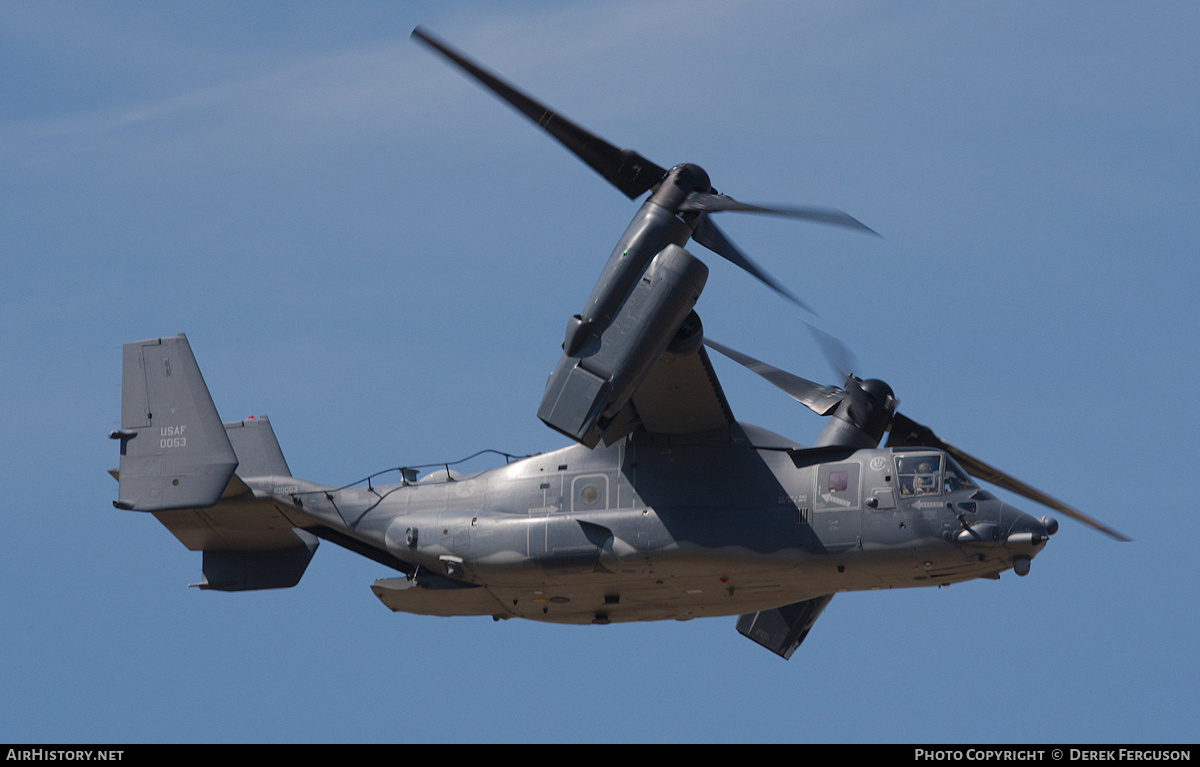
(665, 506)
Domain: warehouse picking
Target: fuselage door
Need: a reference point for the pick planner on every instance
(837, 505)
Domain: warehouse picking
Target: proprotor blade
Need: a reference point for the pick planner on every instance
(707, 234)
(713, 203)
(907, 432)
(817, 397)
(839, 356)
(623, 168)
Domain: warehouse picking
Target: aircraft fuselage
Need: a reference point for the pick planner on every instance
(653, 528)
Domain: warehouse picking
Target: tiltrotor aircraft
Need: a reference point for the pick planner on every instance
(666, 506)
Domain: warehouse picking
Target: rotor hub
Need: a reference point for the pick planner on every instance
(680, 182)
(862, 417)
(690, 177)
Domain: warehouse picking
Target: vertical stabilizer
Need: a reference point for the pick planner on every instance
(174, 450)
(257, 449)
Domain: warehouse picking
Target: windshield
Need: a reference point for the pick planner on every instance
(930, 474)
(956, 479)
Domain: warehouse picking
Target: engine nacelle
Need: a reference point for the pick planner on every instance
(586, 392)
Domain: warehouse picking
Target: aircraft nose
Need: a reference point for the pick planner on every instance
(1026, 536)
(1025, 529)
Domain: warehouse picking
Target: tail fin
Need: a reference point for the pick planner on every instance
(256, 448)
(178, 461)
(174, 450)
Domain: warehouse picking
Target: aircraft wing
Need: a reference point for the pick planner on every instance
(677, 394)
(682, 395)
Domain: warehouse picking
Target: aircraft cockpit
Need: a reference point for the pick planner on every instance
(930, 474)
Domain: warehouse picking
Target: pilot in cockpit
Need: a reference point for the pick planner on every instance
(919, 474)
(926, 480)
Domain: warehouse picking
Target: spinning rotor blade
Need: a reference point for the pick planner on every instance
(633, 174)
(707, 234)
(623, 168)
(817, 397)
(906, 432)
(712, 203)
(836, 353)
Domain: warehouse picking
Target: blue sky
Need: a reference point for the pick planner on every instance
(373, 251)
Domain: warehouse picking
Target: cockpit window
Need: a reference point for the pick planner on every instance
(919, 474)
(955, 478)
